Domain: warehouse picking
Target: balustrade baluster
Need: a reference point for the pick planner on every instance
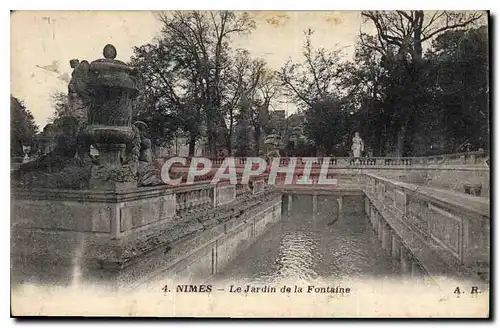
(188, 200)
(185, 200)
(180, 203)
(207, 201)
(206, 198)
(200, 199)
(196, 200)
(177, 203)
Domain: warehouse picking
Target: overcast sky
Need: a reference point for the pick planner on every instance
(44, 42)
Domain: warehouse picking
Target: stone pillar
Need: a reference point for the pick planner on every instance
(380, 226)
(367, 206)
(406, 259)
(396, 247)
(340, 201)
(289, 206)
(216, 191)
(315, 205)
(386, 237)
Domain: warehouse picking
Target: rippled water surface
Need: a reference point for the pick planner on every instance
(306, 246)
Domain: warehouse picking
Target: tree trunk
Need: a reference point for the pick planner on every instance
(400, 141)
(417, 36)
(210, 140)
(230, 135)
(211, 135)
(228, 142)
(257, 136)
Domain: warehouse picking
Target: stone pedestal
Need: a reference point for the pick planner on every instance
(111, 175)
(386, 238)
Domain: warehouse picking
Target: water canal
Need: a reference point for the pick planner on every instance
(328, 244)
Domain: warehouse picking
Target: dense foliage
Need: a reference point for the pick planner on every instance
(22, 127)
(417, 86)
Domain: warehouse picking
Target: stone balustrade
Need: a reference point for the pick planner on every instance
(462, 172)
(194, 200)
(224, 194)
(243, 191)
(444, 231)
(469, 158)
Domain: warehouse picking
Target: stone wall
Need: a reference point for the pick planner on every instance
(446, 233)
(214, 256)
(123, 238)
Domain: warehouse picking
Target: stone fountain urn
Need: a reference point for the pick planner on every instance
(111, 89)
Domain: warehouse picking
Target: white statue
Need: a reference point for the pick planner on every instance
(357, 145)
(26, 151)
(93, 151)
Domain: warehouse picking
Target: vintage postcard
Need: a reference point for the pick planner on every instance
(249, 164)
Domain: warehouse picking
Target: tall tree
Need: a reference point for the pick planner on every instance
(267, 90)
(406, 31)
(316, 77)
(400, 41)
(313, 83)
(459, 65)
(242, 81)
(201, 44)
(168, 93)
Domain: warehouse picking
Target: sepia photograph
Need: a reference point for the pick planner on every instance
(250, 164)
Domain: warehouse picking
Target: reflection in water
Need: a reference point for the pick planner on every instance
(306, 247)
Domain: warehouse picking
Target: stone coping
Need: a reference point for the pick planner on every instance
(449, 198)
(422, 252)
(448, 155)
(321, 190)
(316, 167)
(102, 196)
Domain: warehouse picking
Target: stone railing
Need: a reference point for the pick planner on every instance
(194, 199)
(117, 214)
(469, 158)
(462, 172)
(224, 194)
(453, 226)
(348, 161)
(243, 191)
